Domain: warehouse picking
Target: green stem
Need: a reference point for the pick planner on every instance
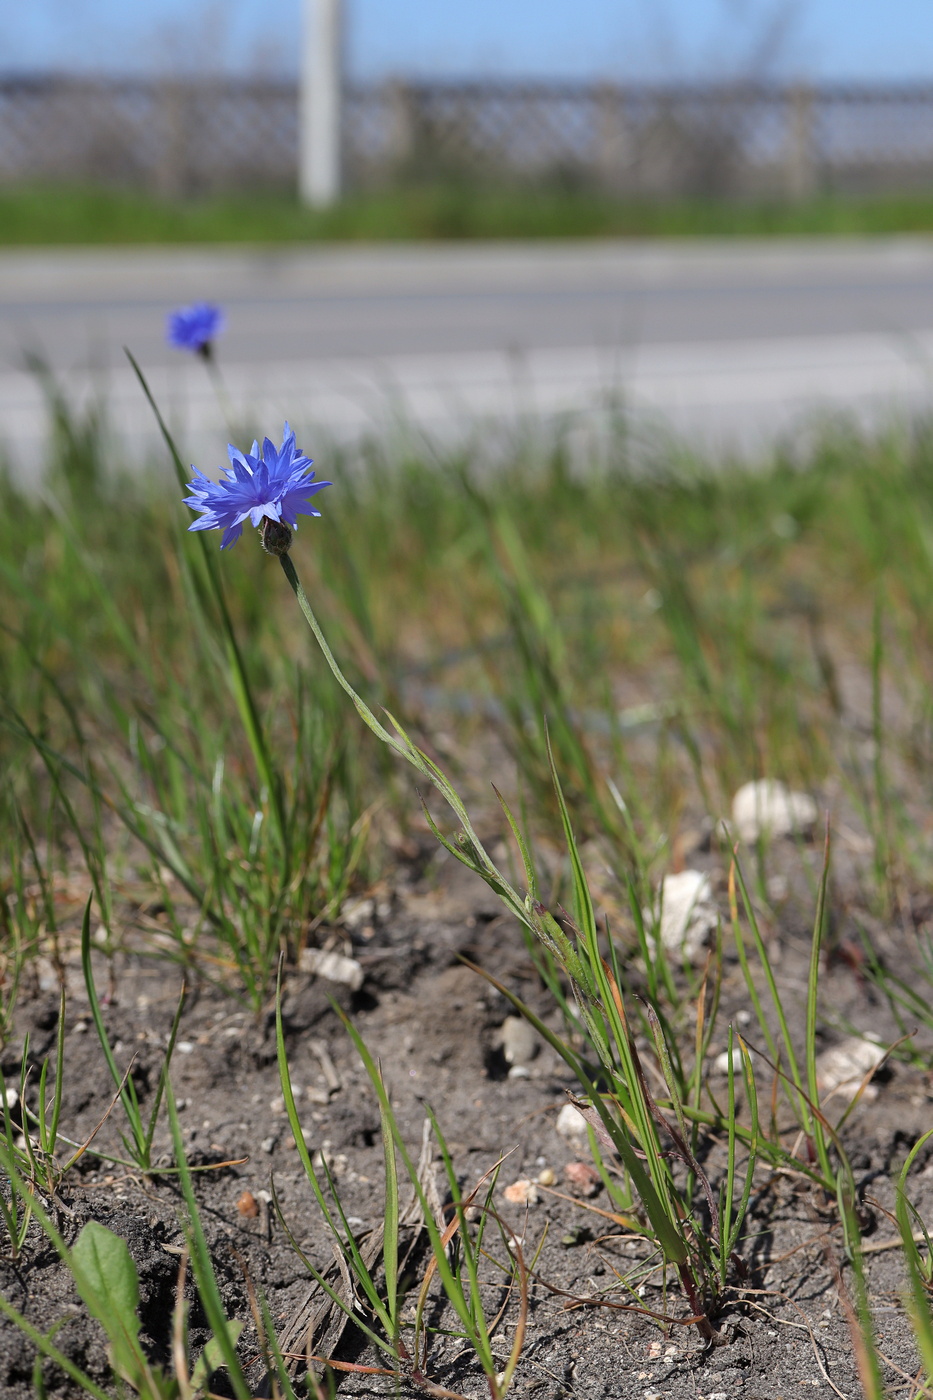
(362, 709)
(469, 849)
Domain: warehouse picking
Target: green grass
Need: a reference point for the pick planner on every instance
(35, 215)
(616, 648)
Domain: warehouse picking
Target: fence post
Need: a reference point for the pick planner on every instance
(319, 103)
(611, 146)
(402, 126)
(171, 148)
(800, 170)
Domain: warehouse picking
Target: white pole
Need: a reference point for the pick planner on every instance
(319, 103)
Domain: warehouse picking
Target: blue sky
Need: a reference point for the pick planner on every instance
(831, 39)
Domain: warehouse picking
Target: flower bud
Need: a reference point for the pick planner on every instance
(275, 536)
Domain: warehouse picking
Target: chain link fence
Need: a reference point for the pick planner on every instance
(189, 137)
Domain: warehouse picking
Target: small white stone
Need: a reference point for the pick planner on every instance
(721, 1062)
(768, 808)
(354, 913)
(570, 1123)
(268, 1144)
(332, 966)
(184, 1047)
(841, 1068)
(518, 1040)
(683, 907)
(519, 1072)
(12, 1098)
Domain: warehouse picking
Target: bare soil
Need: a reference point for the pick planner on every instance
(435, 1026)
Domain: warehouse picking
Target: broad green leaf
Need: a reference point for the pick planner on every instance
(213, 1357)
(107, 1280)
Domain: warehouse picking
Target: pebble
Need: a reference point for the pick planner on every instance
(522, 1192)
(582, 1179)
(769, 808)
(268, 1144)
(247, 1205)
(354, 913)
(518, 1040)
(547, 1177)
(721, 1062)
(570, 1123)
(519, 1072)
(332, 966)
(687, 913)
(841, 1068)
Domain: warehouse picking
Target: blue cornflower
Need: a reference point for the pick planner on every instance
(194, 327)
(267, 488)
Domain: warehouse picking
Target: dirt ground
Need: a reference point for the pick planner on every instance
(436, 1027)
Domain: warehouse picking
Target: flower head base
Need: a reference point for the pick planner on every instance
(275, 536)
(272, 486)
(194, 328)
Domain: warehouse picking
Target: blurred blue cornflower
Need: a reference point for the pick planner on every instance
(194, 327)
(267, 488)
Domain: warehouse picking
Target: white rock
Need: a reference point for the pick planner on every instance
(841, 1069)
(333, 966)
(518, 1040)
(570, 1123)
(721, 1062)
(354, 913)
(687, 915)
(768, 808)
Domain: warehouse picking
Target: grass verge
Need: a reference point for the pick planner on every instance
(37, 215)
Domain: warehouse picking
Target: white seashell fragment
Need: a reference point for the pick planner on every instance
(333, 966)
(570, 1123)
(769, 808)
(841, 1069)
(687, 914)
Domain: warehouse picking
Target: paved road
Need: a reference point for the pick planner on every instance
(729, 340)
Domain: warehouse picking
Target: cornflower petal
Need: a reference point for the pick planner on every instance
(194, 327)
(272, 484)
